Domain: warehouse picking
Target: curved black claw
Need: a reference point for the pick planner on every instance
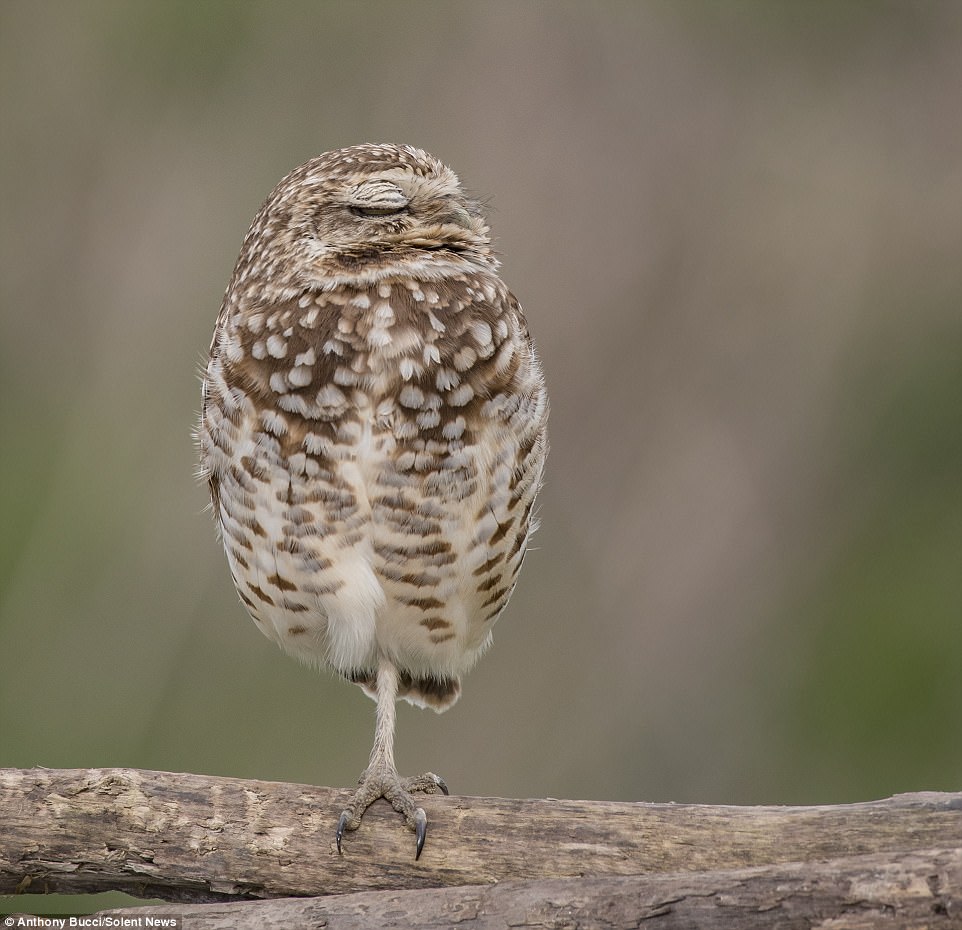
(341, 825)
(420, 830)
(385, 783)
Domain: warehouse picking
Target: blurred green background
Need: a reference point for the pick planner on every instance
(737, 232)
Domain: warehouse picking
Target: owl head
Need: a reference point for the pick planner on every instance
(356, 214)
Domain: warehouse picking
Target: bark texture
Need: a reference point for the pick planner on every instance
(857, 892)
(195, 838)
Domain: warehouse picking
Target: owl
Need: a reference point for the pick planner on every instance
(373, 434)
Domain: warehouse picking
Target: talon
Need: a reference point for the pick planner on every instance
(382, 781)
(420, 831)
(341, 825)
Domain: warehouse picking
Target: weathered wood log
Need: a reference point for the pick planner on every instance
(921, 889)
(201, 838)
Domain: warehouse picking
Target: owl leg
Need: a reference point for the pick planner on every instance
(380, 779)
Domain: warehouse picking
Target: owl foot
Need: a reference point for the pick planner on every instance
(383, 782)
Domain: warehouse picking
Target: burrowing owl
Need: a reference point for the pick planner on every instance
(373, 432)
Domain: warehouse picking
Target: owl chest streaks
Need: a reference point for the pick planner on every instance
(374, 455)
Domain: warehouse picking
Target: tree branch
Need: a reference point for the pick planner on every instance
(860, 892)
(201, 838)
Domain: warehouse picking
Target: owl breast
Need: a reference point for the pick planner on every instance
(374, 456)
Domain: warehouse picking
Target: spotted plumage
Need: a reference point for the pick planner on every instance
(373, 433)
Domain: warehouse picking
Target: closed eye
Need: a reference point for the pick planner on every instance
(378, 211)
(377, 197)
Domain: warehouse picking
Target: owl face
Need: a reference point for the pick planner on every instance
(363, 208)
